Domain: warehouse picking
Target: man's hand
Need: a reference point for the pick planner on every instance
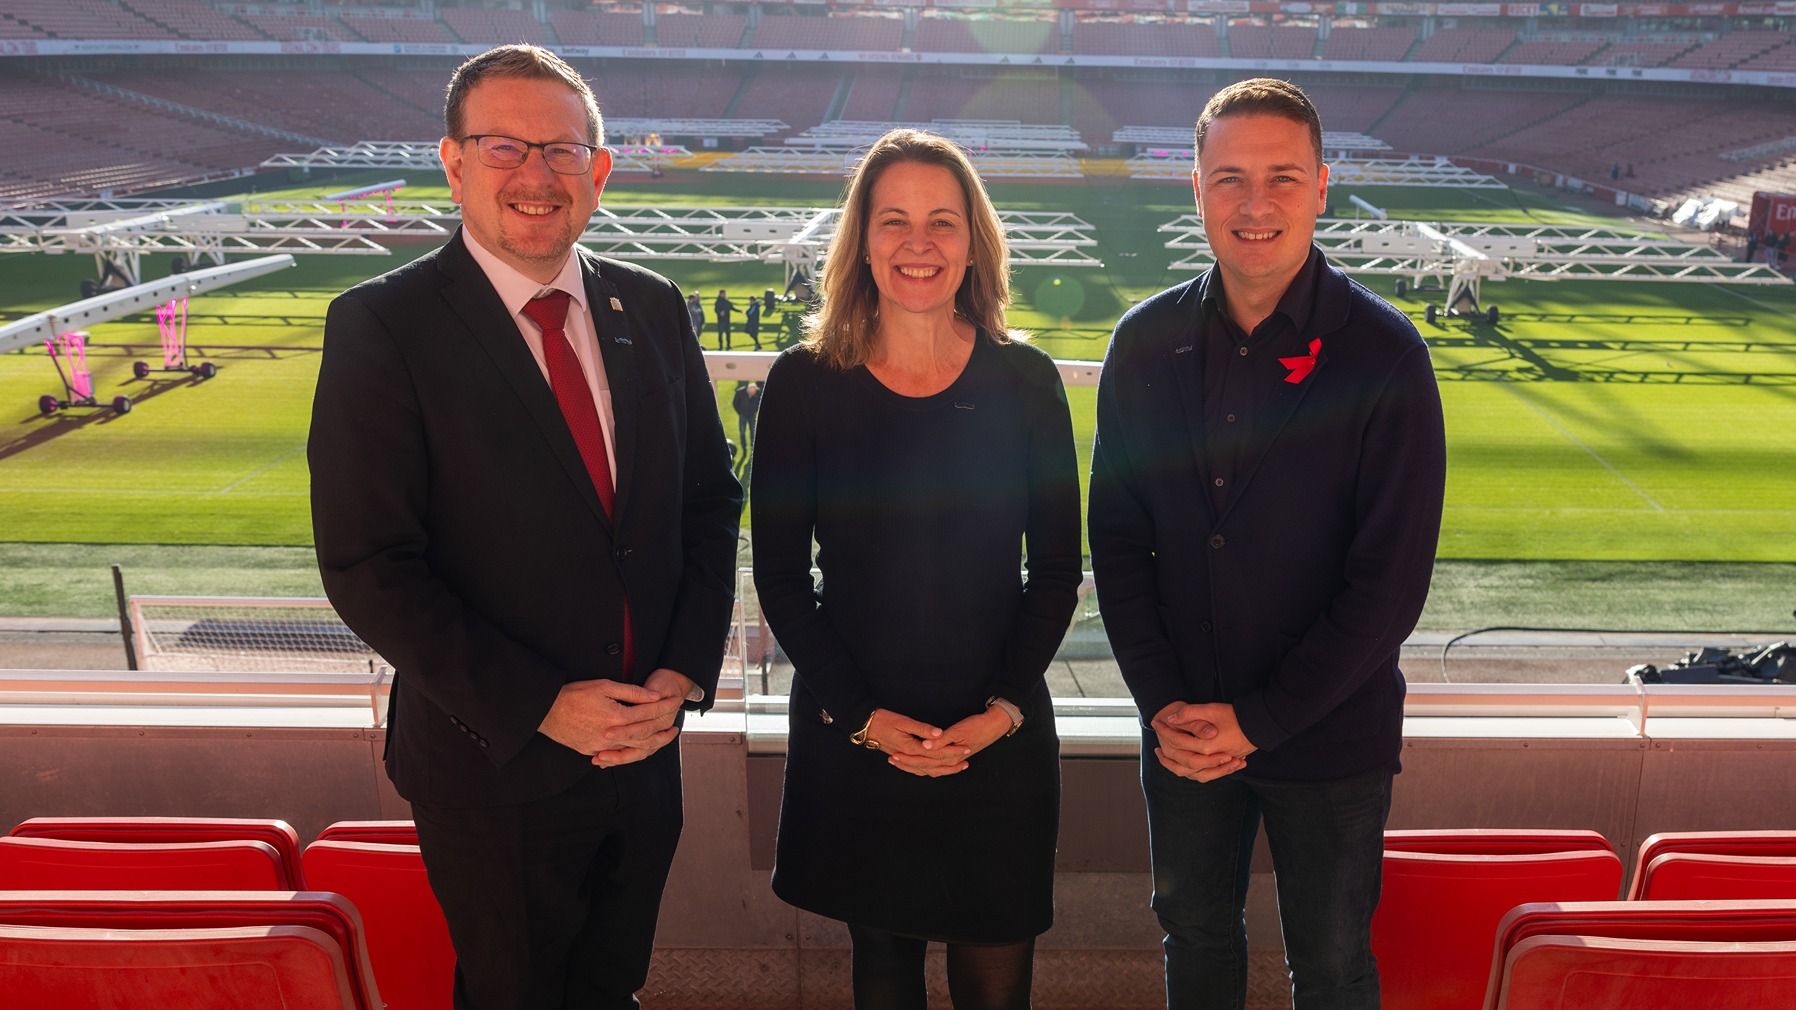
(1200, 742)
(666, 684)
(594, 716)
(950, 751)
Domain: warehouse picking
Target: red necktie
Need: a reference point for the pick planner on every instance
(549, 313)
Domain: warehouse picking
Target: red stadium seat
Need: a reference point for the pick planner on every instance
(194, 969)
(374, 832)
(408, 940)
(1715, 843)
(277, 833)
(1704, 921)
(55, 864)
(1496, 841)
(1433, 928)
(1556, 972)
(329, 914)
(1689, 876)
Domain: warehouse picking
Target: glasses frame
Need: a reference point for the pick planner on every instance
(592, 151)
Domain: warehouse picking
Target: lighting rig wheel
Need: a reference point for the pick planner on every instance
(121, 404)
(1402, 287)
(1431, 313)
(178, 265)
(141, 369)
(89, 288)
(206, 370)
(47, 404)
(1491, 315)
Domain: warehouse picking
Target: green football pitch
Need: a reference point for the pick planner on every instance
(1596, 423)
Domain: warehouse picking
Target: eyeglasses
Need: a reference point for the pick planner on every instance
(563, 157)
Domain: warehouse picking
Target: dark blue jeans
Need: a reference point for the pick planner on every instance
(1327, 841)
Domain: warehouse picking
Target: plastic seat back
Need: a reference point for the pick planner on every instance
(1714, 843)
(1689, 876)
(275, 832)
(55, 864)
(408, 939)
(374, 832)
(1496, 841)
(194, 969)
(329, 914)
(1557, 972)
(1705, 921)
(1433, 929)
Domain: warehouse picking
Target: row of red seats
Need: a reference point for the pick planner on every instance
(219, 913)
(1447, 894)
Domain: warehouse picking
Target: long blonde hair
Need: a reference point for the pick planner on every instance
(841, 329)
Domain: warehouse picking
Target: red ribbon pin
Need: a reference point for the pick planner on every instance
(1302, 364)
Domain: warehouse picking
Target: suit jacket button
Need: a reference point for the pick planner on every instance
(1217, 541)
(614, 649)
(621, 553)
(1205, 626)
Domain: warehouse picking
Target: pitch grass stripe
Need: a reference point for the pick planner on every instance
(1755, 301)
(1553, 422)
(264, 468)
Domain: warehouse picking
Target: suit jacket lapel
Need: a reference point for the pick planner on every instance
(1185, 360)
(471, 296)
(611, 323)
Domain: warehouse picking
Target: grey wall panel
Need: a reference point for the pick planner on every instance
(1718, 785)
(1519, 784)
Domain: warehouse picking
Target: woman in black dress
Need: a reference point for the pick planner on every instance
(928, 451)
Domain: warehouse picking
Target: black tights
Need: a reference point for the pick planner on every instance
(888, 973)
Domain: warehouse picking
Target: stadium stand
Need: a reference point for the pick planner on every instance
(1007, 97)
(1552, 52)
(1731, 50)
(1282, 42)
(598, 28)
(1159, 38)
(1386, 44)
(1779, 60)
(13, 29)
(479, 25)
(693, 31)
(1640, 53)
(198, 950)
(873, 96)
(1355, 109)
(398, 29)
(285, 27)
(851, 32)
(408, 940)
(800, 96)
(317, 103)
(1458, 120)
(85, 19)
(191, 19)
(666, 91)
(1463, 45)
(959, 35)
(278, 834)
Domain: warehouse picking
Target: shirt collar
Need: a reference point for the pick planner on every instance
(515, 289)
(1295, 304)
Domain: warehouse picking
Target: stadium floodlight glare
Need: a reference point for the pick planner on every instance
(42, 326)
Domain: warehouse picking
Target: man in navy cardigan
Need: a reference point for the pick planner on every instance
(1265, 502)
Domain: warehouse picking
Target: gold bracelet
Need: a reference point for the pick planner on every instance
(859, 736)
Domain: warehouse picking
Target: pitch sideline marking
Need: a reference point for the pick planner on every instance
(1553, 422)
(259, 471)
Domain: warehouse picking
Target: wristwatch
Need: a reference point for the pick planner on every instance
(1009, 709)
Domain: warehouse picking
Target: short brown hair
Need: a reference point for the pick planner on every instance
(1262, 96)
(841, 329)
(518, 60)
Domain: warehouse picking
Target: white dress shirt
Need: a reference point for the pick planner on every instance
(516, 290)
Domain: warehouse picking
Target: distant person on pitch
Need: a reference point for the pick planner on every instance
(522, 498)
(723, 307)
(928, 451)
(1265, 499)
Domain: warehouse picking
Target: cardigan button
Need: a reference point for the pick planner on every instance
(614, 649)
(1217, 541)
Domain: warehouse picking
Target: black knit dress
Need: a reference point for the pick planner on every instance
(924, 511)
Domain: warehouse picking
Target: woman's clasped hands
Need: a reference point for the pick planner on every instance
(929, 751)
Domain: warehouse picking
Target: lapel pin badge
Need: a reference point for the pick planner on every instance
(616, 306)
(1302, 364)
(1183, 349)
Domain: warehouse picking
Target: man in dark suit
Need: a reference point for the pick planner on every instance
(522, 498)
(1265, 500)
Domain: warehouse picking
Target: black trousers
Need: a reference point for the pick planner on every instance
(552, 903)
